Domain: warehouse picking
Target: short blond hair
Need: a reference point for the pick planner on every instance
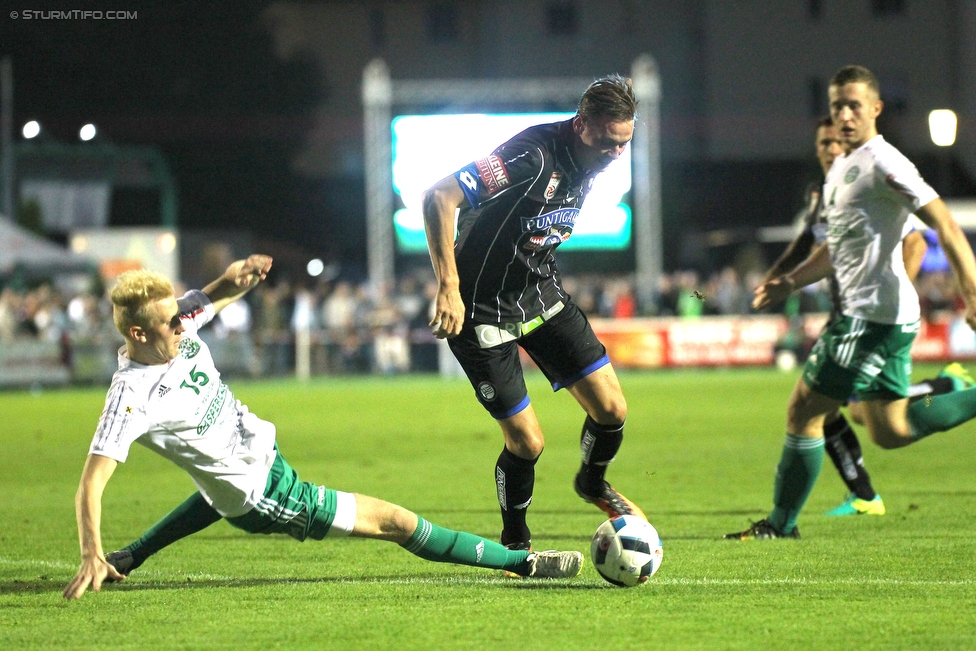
(133, 295)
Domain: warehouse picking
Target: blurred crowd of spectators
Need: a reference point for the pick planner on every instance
(355, 328)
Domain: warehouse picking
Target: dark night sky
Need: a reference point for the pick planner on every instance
(201, 82)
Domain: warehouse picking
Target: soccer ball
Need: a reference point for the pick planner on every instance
(626, 550)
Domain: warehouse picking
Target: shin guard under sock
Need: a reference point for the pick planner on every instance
(598, 446)
(797, 472)
(941, 413)
(193, 515)
(434, 543)
(845, 451)
(514, 481)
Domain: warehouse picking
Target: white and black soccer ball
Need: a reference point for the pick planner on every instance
(626, 550)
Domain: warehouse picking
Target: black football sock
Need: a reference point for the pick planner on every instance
(598, 446)
(514, 480)
(845, 451)
(930, 387)
(193, 515)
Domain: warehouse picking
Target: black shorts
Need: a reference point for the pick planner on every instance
(564, 347)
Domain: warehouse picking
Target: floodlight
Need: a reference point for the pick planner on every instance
(315, 267)
(942, 127)
(87, 132)
(31, 129)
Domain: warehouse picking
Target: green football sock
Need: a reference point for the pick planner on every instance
(191, 516)
(442, 545)
(796, 474)
(941, 413)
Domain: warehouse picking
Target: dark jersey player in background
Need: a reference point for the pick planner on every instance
(499, 288)
(841, 442)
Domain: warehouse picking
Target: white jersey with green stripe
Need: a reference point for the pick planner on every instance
(868, 196)
(183, 411)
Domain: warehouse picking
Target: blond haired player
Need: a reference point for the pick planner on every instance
(168, 396)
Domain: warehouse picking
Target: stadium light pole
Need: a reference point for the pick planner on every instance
(648, 245)
(378, 150)
(7, 171)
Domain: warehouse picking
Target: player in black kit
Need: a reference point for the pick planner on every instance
(499, 288)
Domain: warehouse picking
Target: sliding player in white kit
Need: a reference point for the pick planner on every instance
(868, 194)
(168, 396)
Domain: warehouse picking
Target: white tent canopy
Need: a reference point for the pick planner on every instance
(20, 245)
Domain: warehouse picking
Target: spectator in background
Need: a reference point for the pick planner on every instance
(409, 300)
(625, 304)
(729, 297)
(689, 304)
(9, 310)
(936, 292)
(84, 319)
(667, 295)
(391, 353)
(272, 319)
(338, 311)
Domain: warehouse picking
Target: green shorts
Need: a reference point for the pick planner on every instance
(854, 357)
(298, 508)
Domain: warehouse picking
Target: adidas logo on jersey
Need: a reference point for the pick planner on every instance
(163, 390)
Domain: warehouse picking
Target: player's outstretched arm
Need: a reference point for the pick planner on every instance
(816, 267)
(936, 215)
(913, 248)
(440, 204)
(88, 509)
(795, 253)
(239, 278)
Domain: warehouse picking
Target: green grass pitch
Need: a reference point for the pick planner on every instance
(699, 456)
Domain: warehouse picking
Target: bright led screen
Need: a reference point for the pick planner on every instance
(426, 148)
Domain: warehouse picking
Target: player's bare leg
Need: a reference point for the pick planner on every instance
(807, 410)
(887, 422)
(600, 396)
(523, 434)
(382, 520)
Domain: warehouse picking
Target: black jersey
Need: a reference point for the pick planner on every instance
(522, 203)
(816, 224)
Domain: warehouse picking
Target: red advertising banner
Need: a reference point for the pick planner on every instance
(749, 340)
(708, 341)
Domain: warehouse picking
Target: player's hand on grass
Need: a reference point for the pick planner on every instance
(772, 292)
(448, 313)
(94, 571)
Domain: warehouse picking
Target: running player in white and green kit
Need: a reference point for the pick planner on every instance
(840, 441)
(868, 194)
(168, 396)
